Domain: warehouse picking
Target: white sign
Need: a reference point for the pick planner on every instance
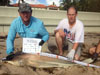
(31, 45)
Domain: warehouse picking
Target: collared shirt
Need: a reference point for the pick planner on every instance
(35, 29)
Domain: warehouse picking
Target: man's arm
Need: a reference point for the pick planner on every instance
(75, 45)
(98, 48)
(10, 39)
(96, 52)
(71, 54)
(43, 32)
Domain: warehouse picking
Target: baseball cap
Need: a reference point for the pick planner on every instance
(24, 7)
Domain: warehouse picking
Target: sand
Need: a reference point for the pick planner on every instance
(91, 39)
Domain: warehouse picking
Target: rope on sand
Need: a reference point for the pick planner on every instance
(65, 58)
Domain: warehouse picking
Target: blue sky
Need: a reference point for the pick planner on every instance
(45, 2)
(14, 1)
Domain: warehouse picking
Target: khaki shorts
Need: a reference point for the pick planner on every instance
(70, 45)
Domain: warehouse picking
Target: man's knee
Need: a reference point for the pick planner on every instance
(58, 35)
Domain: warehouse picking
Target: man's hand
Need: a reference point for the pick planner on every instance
(71, 54)
(95, 57)
(10, 56)
(41, 43)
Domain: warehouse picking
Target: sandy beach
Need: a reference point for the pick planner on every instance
(91, 39)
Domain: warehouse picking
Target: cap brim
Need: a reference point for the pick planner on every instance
(24, 11)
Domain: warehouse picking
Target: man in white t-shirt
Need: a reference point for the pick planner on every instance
(73, 30)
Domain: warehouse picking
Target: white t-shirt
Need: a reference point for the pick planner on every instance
(74, 34)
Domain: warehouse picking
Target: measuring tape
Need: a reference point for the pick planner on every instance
(65, 58)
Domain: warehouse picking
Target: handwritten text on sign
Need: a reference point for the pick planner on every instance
(31, 45)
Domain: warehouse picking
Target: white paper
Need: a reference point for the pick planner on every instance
(31, 45)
